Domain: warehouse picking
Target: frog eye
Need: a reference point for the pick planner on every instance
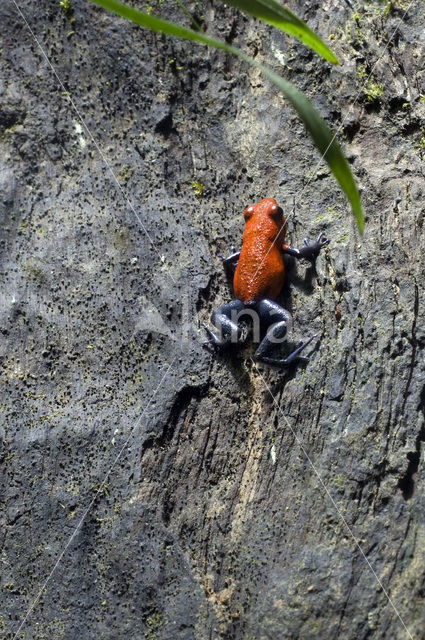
(248, 212)
(276, 212)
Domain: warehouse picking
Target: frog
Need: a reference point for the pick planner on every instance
(259, 276)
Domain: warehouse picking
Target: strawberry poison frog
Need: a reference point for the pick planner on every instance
(258, 280)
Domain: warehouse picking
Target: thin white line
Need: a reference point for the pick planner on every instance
(83, 517)
(298, 195)
(334, 503)
(74, 106)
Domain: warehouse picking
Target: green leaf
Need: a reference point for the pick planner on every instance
(322, 136)
(159, 25)
(273, 13)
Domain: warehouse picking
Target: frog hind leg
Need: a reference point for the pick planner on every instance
(277, 319)
(224, 320)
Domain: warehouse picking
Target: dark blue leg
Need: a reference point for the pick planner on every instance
(225, 319)
(276, 319)
(310, 251)
(232, 260)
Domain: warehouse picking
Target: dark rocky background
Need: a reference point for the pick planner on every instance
(199, 514)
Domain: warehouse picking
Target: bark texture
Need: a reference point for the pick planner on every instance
(150, 488)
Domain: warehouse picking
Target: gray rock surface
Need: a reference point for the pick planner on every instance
(149, 488)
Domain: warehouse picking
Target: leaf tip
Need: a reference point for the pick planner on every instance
(332, 58)
(360, 220)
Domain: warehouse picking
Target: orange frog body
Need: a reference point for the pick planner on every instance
(258, 280)
(260, 271)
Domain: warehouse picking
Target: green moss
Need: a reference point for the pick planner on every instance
(175, 65)
(6, 134)
(343, 238)
(372, 90)
(125, 173)
(357, 20)
(33, 272)
(50, 416)
(340, 482)
(154, 623)
(392, 5)
(330, 213)
(65, 5)
(198, 188)
(387, 9)
(353, 29)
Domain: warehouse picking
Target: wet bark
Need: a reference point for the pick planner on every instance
(152, 489)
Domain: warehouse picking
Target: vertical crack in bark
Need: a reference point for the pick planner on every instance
(344, 607)
(204, 451)
(395, 563)
(414, 349)
(406, 483)
(171, 430)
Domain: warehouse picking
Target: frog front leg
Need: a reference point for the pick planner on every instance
(310, 251)
(277, 320)
(225, 320)
(232, 260)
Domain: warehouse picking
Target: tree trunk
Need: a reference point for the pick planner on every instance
(152, 488)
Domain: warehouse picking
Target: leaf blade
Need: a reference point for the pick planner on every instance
(273, 13)
(158, 24)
